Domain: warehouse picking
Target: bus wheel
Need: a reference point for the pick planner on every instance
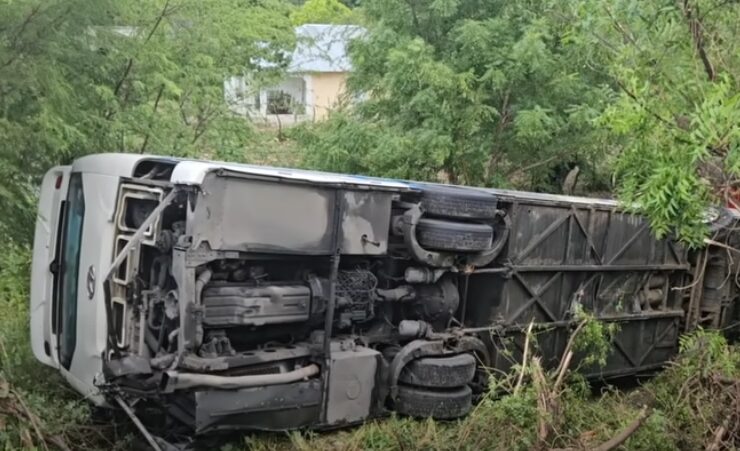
(453, 236)
(440, 404)
(440, 372)
(458, 202)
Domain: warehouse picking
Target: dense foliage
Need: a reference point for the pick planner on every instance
(322, 12)
(476, 92)
(81, 76)
(676, 66)
(467, 91)
(520, 93)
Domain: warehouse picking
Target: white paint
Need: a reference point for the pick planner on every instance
(96, 251)
(193, 172)
(44, 248)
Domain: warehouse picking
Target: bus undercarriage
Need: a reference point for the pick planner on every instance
(254, 302)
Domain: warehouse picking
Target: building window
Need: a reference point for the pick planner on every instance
(279, 102)
(288, 97)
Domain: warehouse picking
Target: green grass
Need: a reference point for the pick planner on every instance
(686, 406)
(37, 410)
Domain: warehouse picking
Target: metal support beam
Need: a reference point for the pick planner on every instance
(611, 268)
(139, 234)
(139, 425)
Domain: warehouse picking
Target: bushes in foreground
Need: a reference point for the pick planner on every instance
(693, 404)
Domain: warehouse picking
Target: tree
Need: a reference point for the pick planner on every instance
(676, 65)
(323, 12)
(467, 91)
(82, 76)
(522, 93)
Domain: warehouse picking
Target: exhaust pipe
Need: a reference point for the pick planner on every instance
(174, 380)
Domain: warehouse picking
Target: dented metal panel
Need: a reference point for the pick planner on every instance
(250, 215)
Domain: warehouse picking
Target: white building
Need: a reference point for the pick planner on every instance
(315, 81)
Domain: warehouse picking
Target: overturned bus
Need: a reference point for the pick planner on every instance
(228, 296)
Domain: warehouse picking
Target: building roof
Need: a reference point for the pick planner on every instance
(323, 48)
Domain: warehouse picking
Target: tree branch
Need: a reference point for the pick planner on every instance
(634, 97)
(181, 105)
(524, 358)
(567, 356)
(697, 35)
(22, 30)
(625, 433)
(534, 165)
(621, 29)
(130, 62)
(414, 17)
(719, 434)
(126, 71)
(14, 43)
(621, 437)
(161, 16)
(203, 119)
(154, 111)
(502, 123)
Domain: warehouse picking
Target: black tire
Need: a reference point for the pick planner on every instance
(440, 372)
(439, 404)
(453, 236)
(458, 202)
